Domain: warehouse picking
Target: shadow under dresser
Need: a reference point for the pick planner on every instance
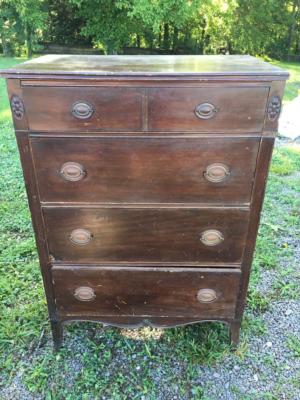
(145, 178)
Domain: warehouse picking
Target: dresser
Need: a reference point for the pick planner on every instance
(145, 178)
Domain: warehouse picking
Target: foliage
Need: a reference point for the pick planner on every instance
(258, 27)
(22, 23)
(106, 23)
(64, 24)
(9, 27)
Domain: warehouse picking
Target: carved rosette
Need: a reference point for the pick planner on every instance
(17, 106)
(274, 108)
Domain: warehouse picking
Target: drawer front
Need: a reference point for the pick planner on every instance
(210, 109)
(145, 292)
(145, 170)
(186, 235)
(83, 109)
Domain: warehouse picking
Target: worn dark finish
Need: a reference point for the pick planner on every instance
(53, 108)
(145, 292)
(152, 66)
(237, 109)
(146, 235)
(145, 178)
(145, 170)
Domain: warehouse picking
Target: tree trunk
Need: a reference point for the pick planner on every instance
(166, 36)
(175, 39)
(6, 46)
(138, 41)
(151, 41)
(28, 37)
(159, 36)
(291, 35)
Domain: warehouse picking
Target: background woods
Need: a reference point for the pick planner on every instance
(258, 27)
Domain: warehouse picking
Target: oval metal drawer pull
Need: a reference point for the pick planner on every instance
(72, 171)
(216, 172)
(80, 236)
(84, 293)
(211, 237)
(82, 110)
(206, 295)
(205, 110)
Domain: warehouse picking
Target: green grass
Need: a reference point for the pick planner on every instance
(294, 345)
(293, 84)
(6, 62)
(121, 364)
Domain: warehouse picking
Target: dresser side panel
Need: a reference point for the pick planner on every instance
(36, 217)
(263, 164)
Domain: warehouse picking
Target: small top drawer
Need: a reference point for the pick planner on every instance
(205, 109)
(83, 108)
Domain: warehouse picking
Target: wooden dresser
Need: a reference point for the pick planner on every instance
(145, 178)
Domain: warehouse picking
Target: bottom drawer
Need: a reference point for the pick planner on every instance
(202, 293)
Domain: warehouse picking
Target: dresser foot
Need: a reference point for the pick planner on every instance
(234, 333)
(57, 334)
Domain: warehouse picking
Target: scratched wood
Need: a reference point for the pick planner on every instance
(116, 152)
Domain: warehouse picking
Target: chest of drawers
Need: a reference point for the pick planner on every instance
(145, 178)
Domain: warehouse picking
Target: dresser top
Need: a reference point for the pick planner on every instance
(149, 65)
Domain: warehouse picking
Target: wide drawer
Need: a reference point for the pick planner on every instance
(138, 234)
(83, 108)
(207, 109)
(145, 170)
(103, 291)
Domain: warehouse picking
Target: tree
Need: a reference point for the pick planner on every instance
(294, 18)
(106, 23)
(63, 25)
(8, 21)
(32, 15)
(261, 27)
(166, 19)
(21, 23)
(258, 27)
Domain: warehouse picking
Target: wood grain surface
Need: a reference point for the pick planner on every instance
(145, 291)
(239, 109)
(145, 170)
(146, 234)
(50, 108)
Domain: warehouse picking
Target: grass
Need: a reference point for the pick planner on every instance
(147, 363)
(294, 345)
(293, 84)
(6, 62)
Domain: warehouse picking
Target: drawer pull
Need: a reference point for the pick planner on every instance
(80, 236)
(84, 293)
(211, 237)
(216, 172)
(205, 110)
(206, 295)
(72, 171)
(82, 110)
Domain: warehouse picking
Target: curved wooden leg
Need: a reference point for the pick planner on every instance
(235, 333)
(57, 334)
